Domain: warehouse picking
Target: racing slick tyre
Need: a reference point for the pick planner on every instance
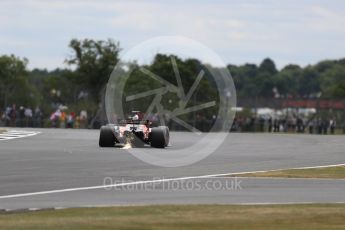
(106, 137)
(166, 135)
(158, 137)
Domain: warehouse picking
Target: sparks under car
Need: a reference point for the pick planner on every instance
(134, 131)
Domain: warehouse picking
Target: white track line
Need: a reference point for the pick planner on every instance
(14, 134)
(108, 186)
(148, 181)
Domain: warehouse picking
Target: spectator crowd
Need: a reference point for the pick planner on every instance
(13, 116)
(62, 117)
(295, 124)
(22, 116)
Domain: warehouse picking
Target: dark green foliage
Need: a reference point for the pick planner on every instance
(14, 84)
(325, 79)
(94, 61)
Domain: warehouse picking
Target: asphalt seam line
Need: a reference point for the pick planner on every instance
(279, 178)
(27, 210)
(281, 169)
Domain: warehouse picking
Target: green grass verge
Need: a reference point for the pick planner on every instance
(313, 216)
(337, 172)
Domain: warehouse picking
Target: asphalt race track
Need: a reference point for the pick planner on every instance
(66, 168)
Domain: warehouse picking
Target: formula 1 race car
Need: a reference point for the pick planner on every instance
(134, 131)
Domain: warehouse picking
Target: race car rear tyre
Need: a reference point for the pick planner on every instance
(158, 137)
(166, 135)
(106, 137)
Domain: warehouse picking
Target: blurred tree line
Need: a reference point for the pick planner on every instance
(325, 79)
(82, 84)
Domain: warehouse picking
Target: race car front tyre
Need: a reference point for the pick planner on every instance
(106, 137)
(158, 137)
